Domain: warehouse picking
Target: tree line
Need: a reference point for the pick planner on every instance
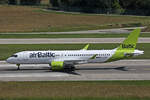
(21, 2)
(124, 7)
(133, 7)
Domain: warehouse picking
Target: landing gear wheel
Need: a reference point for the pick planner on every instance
(18, 66)
(69, 68)
(73, 68)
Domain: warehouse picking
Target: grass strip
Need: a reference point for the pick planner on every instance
(79, 90)
(60, 21)
(9, 49)
(107, 35)
(77, 98)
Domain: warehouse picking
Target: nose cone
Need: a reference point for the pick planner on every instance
(9, 60)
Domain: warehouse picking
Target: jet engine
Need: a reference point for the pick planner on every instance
(61, 66)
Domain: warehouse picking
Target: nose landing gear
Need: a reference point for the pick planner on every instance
(18, 65)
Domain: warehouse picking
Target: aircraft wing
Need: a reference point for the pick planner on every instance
(75, 62)
(93, 57)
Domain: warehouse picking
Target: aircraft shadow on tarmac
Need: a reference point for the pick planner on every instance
(44, 69)
(117, 68)
(47, 68)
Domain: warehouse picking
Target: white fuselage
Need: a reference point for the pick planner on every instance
(75, 56)
(46, 57)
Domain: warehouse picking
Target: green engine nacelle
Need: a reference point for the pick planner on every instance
(57, 65)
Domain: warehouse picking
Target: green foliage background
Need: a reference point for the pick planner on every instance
(127, 7)
(136, 7)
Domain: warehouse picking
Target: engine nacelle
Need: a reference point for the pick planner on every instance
(61, 66)
(57, 65)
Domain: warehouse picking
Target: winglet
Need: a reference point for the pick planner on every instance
(86, 47)
(94, 56)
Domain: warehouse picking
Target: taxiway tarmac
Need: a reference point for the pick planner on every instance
(120, 70)
(101, 31)
(68, 40)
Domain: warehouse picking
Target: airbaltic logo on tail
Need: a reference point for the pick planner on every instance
(128, 46)
(42, 55)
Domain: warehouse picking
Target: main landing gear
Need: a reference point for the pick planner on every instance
(69, 68)
(18, 65)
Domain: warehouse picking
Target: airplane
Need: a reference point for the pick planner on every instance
(66, 60)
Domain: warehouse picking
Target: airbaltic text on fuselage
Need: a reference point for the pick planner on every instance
(41, 55)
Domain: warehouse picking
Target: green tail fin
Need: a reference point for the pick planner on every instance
(127, 47)
(130, 42)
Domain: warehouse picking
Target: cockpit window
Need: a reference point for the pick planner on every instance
(14, 56)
